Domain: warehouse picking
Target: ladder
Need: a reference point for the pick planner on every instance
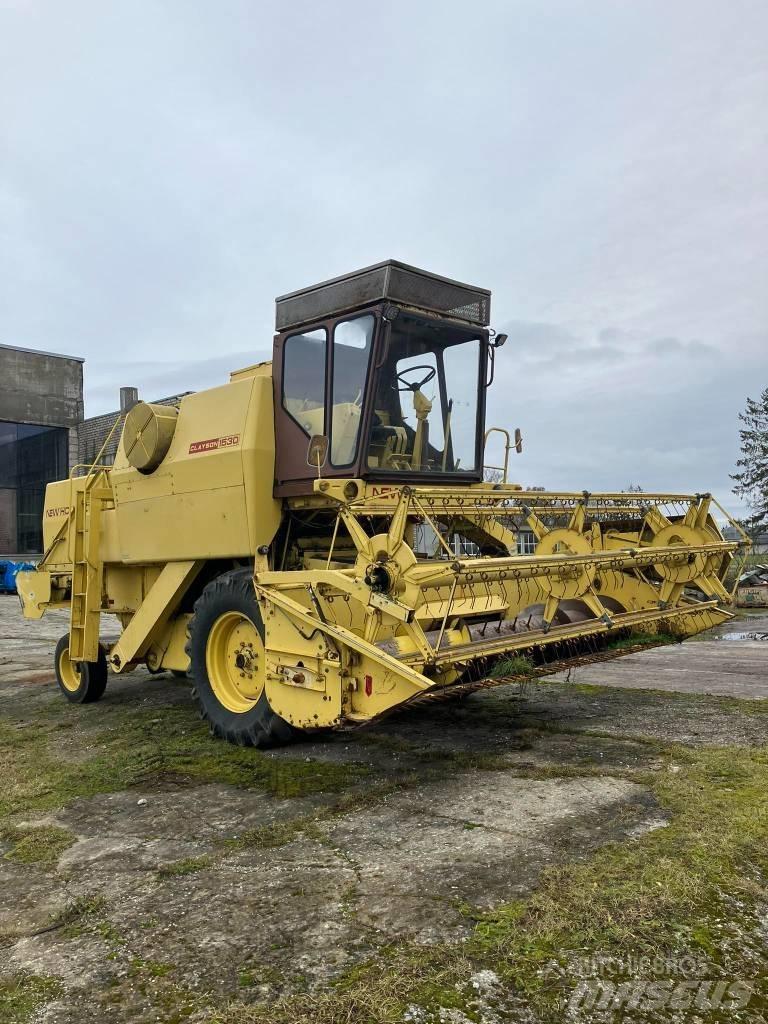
(87, 565)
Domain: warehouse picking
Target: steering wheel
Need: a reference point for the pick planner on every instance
(415, 386)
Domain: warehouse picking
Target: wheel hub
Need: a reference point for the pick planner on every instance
(235, 662)
(69, 672)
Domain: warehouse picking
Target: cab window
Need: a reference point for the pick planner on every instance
(304, 380)
(426, 398)
(352, 341)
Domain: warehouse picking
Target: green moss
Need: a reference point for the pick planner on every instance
(23, 995)
(42, 844)
(278, 833)
(262, 974)
(142, 750)
(154, 968)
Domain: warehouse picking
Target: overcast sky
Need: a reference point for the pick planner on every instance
(168, 167)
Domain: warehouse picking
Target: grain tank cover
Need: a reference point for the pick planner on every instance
(148, 433)
(389, 281)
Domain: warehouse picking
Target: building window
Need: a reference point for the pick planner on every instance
(526, 542)
(304, 380)
(30, 458)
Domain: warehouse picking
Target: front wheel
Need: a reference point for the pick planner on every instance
(228, 664)
(81, 682)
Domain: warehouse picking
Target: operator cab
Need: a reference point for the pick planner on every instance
(396, 385)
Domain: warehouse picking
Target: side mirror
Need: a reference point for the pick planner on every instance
(518, 440)
(317, 452)
(499, 340)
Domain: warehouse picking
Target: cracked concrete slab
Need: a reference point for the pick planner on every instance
(302, 912)
(459, 806)
(473, 840)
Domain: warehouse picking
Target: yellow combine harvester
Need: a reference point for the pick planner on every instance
(313, 542)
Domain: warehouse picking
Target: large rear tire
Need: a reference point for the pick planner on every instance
(81, 682)
(228, 665)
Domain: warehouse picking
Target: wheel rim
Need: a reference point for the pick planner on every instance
(234, 660)
(69, 675)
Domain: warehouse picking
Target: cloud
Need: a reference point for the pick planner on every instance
(674, 346)
(166, 170)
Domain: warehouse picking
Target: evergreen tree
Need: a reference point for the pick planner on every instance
(752, 476)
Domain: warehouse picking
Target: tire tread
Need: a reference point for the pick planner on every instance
(260, 727)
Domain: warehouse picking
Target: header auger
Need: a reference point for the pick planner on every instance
(313, 542)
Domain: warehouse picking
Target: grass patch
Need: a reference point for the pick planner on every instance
(23, 995)
(652, 897)
(187, 866)
(511, 665)
(279, 833)
(639, 639)
(41, 844)
(80, 916)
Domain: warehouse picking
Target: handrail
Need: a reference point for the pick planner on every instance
(508, 446)
(95, 464)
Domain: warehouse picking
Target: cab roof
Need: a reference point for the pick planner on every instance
(390, 281)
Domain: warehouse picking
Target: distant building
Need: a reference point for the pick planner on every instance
(41, 408)
(759, 541)
(44, 437)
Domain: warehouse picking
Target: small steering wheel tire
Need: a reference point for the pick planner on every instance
(82, 682)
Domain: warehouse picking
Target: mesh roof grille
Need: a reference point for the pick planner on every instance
(392, 281)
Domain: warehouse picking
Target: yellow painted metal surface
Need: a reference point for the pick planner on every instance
(153, 613)
(211, 497)
(34, 590)
(147, 434)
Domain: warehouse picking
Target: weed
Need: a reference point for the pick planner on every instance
(511, 665)
(187, 866)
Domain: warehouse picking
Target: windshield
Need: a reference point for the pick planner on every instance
(425, 408)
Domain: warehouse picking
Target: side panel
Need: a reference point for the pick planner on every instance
(211, 497)
(263, 511)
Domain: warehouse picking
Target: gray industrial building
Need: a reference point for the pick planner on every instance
(41, 409)
(43, 436)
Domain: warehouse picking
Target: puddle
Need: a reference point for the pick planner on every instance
(742, 636)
